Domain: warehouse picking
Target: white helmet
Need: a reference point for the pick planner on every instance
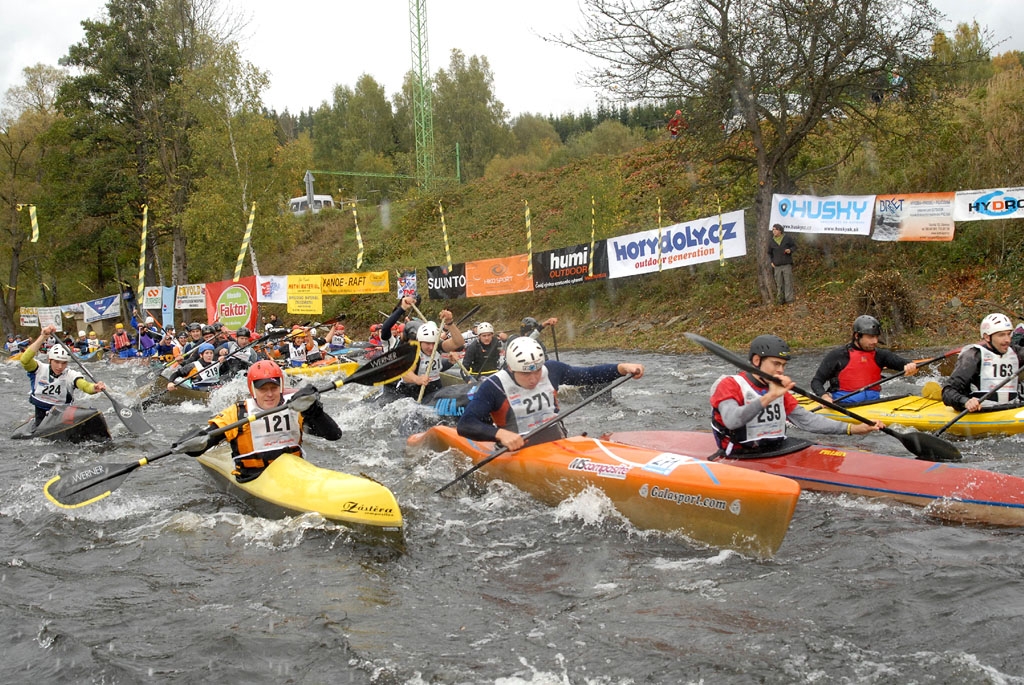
(428, 333)
(150, 320)
(81, 334)
(484, 327)
(58, 353)
(994, 323)
(524, 354)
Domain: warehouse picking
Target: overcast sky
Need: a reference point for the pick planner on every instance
(310, 47)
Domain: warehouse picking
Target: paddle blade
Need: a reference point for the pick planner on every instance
(131, 418)
(388, 367)
(87, 485)
(928, 447)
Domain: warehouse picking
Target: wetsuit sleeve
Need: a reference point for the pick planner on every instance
(957, 388)
(318, 422)
(815, 423)
(561, 373)
(476, 422)
(28, 360)
(826, 378)
(385, 331)
(85, 385)
(890, 360)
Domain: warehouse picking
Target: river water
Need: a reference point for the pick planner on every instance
(169, 581)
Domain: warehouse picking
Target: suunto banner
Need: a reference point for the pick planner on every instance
(569, 265)
(445, 284)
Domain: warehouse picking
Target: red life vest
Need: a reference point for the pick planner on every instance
(861, 370)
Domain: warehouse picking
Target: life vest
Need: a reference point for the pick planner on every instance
(769, 424)
(94, 344)
(297, 353)
(49, 390)
(121, 340)
(338, 341)
(529, 408)
(203, 375)
(268, 436)
(993, 370)
(861, 370)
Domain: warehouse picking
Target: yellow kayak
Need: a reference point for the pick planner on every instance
(291, 486)
(335, 369)
(926, 412)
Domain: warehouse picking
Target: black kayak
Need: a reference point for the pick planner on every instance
(67, 422)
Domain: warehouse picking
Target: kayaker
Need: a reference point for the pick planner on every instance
(484, 355)
(432, 360)
(204, 372)
(749, 414)
(524, 394)
(121, 343)
(237, 359)
(983, 366)
(256, 444)
(53, 383)
(856, 364)
(336, 338)
(300, 346)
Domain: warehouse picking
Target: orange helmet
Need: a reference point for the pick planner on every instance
(262, 371)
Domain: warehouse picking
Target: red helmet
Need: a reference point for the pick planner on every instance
(264, 370)
(375, 327)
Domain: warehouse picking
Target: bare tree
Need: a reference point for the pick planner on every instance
(765, 71)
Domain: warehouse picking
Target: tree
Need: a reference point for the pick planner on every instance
(779, 68)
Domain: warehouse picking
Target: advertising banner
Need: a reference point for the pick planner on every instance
(914, 217)
(108, 307)
(152, 298)
(272, 289)
(364, 283)
(406, 284)
(167, 308)
(846, 214)
(683, 244)
(304, 295)
(994, 203)
(569, 265)
(443, 284)
(28, 316)
(191, 296)
(232, 304)
(50, 316)
(499, 276)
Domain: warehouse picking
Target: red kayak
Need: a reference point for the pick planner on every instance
(946, 491)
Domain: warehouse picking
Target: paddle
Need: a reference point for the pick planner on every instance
(536, 429)
(554, 342)
(984, 397)
(93, 483)
(433, 352)
(923, 445)
(901, 374)
(133, 420)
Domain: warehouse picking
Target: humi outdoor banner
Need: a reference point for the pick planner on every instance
(694, 242)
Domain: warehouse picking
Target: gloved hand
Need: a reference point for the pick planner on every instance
(193, 443)
(304, 398)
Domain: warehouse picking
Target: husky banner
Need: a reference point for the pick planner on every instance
(914, 217)
(569, 265)
(108, 307)
(443, 284)
(847, 214)
(994, 203)
(703, 240)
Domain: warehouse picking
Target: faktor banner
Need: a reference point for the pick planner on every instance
(993, 203)
(362, 283)
(914, 217)
(233, 304)
(694, 242)
(843, 214)
(443, 284)
(570, 265)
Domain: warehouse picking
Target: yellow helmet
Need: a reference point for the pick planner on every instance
(119, 326)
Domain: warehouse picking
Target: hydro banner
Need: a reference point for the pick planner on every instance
(994, 203)
(443, 284)
(844, 214)
(305, 295)
(108, 307)
(231, 303)
(703, 240)
(569, 265)
(364, 283)
(272, 289)
(499, 276)
(914, 217)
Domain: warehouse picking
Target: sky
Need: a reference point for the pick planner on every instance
(328, 42)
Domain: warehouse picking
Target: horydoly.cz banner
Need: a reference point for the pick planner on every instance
(846, 214)
(914, 217)
(993, 203)
(569, 265)
(683, 244)
(443, 284)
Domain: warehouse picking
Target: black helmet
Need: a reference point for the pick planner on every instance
(217, 325)
(769, 346)
(208, 330)
(866, 325)
(194, 326)
(411, 326)
(529, 325)
(243, 332)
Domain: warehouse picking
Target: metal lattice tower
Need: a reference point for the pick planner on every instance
(422, 95)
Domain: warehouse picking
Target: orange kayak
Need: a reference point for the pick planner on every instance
(712, 503)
